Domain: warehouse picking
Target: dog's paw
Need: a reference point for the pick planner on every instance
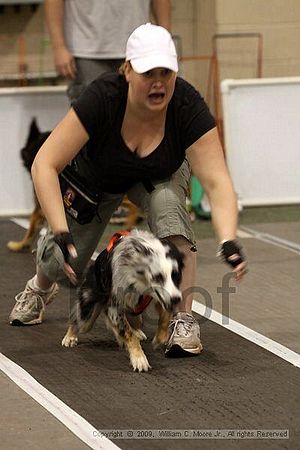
(140, 363)
(139, 334)
(69, 341)
(15, 246)
(159, 340)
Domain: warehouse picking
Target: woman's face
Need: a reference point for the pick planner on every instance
(151, 90)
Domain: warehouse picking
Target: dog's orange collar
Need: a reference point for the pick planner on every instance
(115, 238)
(144, 300)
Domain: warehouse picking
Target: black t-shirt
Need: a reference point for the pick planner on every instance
(106, 163)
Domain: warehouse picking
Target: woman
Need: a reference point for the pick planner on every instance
(138, 133)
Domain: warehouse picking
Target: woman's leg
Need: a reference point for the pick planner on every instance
(42, 288)
(86, 238)
(168, 218)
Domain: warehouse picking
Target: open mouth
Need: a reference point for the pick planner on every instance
(157, 96)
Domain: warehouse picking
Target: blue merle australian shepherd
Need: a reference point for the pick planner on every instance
(135, 269)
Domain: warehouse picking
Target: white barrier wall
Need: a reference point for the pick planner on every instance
(262, 139)
(17, 108)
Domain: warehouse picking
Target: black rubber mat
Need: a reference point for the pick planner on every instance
(233, 384)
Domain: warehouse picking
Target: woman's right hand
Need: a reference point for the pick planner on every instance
(64, 62)
(66, 244)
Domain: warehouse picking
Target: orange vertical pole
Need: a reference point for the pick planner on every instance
(22, 66)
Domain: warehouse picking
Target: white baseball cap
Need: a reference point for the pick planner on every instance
(150, 46)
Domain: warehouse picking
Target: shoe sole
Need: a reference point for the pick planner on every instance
(176, 351)
(19, 323)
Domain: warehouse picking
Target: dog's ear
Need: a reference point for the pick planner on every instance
(34, 131)
(173, 251)
(140, 248)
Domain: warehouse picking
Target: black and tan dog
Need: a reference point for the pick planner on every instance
(138, 268)
(35, 140)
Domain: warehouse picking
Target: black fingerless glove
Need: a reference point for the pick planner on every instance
(229, 248)
(63, 240)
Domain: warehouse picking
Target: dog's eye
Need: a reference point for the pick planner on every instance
(140, 272)
(176, 277)
(158, 278)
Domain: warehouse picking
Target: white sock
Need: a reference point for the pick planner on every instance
(34, 284)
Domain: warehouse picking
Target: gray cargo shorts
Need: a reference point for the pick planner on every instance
(87, 70)
(165, 208)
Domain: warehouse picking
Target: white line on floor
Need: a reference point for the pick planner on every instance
(243, 235)
(272, 239)
(251, 335)
(73, 421)
(24, 223)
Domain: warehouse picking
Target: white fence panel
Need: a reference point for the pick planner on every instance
(262, 139)
(17, 108)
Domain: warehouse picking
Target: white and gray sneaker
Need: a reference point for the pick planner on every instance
(184, 337)
(30, 305)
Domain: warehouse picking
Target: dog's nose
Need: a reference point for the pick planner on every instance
(175, 300)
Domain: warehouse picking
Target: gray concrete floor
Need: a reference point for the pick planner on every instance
(267, 302)
(27, 425)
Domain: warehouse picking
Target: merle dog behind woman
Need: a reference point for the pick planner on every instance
(140, 132)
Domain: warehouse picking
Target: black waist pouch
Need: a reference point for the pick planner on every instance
(79, 202)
